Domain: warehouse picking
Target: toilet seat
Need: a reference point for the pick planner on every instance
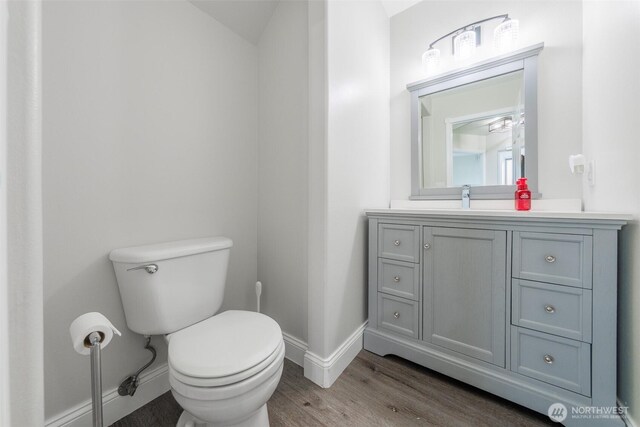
(230, 391)
(224, 349)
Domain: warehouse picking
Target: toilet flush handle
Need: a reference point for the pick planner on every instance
(150, 268)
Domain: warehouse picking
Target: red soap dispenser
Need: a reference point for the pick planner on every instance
(523, 195)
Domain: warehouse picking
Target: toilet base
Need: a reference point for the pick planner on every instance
(259, 418)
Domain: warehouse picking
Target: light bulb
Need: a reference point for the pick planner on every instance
(431, 61)
(505, 36)
(464, 45)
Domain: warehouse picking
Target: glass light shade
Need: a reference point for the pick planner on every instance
(431, 61)
(505, 36)
(464, 45)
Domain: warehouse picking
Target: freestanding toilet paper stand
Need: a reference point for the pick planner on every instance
(96, 377)
(89, 334)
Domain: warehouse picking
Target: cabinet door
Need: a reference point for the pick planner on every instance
(464, 291)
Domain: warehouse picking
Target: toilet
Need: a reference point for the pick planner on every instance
(223, 368)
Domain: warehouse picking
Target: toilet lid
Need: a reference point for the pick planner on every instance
(224, 345)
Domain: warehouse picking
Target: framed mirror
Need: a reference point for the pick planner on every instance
(477, 126)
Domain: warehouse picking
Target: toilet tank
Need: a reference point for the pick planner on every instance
(169, 286)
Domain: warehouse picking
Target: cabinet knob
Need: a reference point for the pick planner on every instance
(396, 315)
(548, 359)
(549, 309)
(427, 246)
(396, 278)
(550, 258)
(397, 243)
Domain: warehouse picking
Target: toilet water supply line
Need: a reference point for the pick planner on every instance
(129, 385)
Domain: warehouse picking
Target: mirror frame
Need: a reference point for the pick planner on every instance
(525, 59)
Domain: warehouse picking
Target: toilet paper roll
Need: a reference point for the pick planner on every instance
(85, 325)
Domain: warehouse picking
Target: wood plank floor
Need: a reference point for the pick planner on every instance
(372, 391)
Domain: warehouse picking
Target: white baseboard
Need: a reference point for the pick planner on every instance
(152, 384)
(156, 382)
(294, 349)
(324, 372)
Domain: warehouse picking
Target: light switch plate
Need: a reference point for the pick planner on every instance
(591, 173)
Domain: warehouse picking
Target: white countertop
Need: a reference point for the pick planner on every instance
(487, 213)
(561, 209)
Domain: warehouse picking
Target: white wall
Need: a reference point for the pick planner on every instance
(611, 92)
(558, 24)
(317, 173)
(357, 156)
(282, 173)
(23, 181)
(5, 401)
(150, 135)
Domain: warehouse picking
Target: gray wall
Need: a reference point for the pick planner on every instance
(282, 172)
(611, 90)
(150, 135)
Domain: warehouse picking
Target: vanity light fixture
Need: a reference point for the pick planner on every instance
(505, 36)
(431, 61)
(465, 40)
(464, 44)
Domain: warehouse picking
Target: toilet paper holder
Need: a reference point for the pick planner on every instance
(95, 338)
(89, 334)
(88, 340)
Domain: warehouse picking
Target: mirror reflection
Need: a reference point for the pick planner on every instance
(474, 134)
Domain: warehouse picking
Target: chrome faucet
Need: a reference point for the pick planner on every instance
(465, 197)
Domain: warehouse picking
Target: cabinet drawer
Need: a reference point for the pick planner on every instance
(398, 315)
(558, 310)
(399, 242)
(559, 361)
(398, 278)
(564, 259)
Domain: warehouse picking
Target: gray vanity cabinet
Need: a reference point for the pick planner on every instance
(464, 291)
(510, 303)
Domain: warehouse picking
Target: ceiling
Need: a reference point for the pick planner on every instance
(393, 7)
(249, 18)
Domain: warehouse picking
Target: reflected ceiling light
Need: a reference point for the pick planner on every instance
(503, 124)
(465, 40)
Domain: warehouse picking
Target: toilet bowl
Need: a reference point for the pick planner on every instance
(223, 368)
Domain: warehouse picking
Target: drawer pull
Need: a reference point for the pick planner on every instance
(396, 279)
(396, 315)
(397, 243)
(548, 359)
(550, 258)
(549, 309)
(427, 246)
